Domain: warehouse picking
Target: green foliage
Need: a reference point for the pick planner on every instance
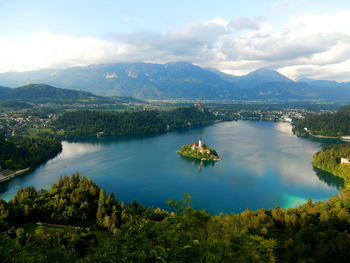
(336, 124)
(88, 123)
(329, 160)
(45, 245)
(314, 232)
(20, 152)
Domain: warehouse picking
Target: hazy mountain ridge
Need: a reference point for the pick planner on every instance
(179, 80)
(4, 90)
(43, 93)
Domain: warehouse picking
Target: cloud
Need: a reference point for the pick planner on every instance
(246, 23)
(195, 42)
(49, 50)
(318, 41)
(310, 45)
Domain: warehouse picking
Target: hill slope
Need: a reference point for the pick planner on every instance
(4, 90)
(42, 93)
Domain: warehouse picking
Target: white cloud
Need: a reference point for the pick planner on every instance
(246, 23)
(312, 45)
(320, 42)
(49, 50)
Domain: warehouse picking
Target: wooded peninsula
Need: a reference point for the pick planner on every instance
(330, 160)
(326, 124)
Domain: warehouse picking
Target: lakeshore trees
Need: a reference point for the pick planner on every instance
(329, 160)
(328, 124)
(89, 123)
(20, 152)
(314, 232)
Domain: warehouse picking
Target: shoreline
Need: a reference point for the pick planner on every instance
(343, 138)
(201, 159)
(4, 178)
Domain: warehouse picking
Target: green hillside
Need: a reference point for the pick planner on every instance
(328, 124)
(42, 93)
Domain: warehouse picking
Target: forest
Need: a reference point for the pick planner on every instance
(76, 221)
(329, 160)
(86, 123)
(328, 124)
(20, 152)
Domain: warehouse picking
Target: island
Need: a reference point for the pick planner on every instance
(199, 151)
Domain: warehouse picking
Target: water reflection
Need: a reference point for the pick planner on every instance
(329, 178)
(199, 163)
(263, 165)
(284, 127)
(71, 150)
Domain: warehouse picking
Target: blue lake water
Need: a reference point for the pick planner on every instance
(264, 165)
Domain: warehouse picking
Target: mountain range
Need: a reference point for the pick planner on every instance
(180, 80)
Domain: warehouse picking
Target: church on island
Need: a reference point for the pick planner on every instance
(199, 151)
(199, 146)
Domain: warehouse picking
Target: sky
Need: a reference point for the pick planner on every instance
(299, 38)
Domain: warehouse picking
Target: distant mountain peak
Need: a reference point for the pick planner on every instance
(305, 79)
(267, 75)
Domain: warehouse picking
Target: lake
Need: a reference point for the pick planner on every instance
(264, 165)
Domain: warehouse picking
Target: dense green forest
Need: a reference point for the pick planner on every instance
(82, 223)
(187, 151)
(20, 152)
(329, 124)
(88, 123)
(43, 93)
(329, 160)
